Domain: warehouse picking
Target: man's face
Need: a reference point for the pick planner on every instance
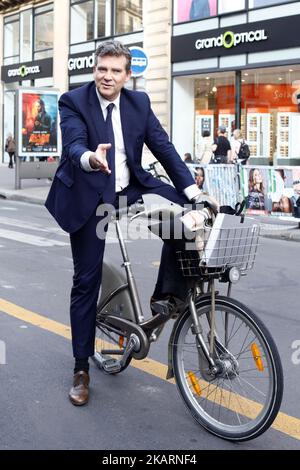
(110, 75)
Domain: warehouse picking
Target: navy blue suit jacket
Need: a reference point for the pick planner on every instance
(75, 193)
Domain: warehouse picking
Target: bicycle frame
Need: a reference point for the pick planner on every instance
(122, 291)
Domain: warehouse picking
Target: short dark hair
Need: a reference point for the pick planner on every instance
(113, 48)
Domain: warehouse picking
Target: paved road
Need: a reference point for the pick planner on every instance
(137, 409)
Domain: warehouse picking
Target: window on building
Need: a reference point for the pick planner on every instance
(189, 10)
(82, 21)
(26, 35)
(265, 3)
(103, 16)
(129, 16)
(43, 37)
(12, 39)
(228, 6)
(270, 114)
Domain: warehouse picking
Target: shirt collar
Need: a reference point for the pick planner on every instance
(104, 103)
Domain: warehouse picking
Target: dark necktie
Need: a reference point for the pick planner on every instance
(109, 193)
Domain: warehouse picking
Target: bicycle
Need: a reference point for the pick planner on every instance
(224, 360)
(154, 172)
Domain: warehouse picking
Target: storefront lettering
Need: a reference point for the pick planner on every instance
(81, 63)
(230, 39)
(23, 71)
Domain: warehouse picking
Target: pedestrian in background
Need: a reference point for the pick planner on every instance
(205, 148)
(10, 148)
(239, 148)
(187, 158)
(221, 147)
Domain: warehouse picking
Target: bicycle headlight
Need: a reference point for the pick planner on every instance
(234, 275)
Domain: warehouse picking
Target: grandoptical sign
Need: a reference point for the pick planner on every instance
(27, 71)
(267, 35)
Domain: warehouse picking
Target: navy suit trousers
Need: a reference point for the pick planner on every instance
(88, 251)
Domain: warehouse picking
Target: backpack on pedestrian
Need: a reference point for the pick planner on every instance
(244, 153)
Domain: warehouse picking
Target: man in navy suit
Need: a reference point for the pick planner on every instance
(104, 128)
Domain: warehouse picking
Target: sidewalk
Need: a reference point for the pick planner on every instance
(35, 191)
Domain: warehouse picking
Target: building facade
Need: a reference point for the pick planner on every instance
(51, 44)
(238, 64)
(211, 62)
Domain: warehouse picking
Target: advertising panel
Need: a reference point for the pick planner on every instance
(271, 190)
(37, 122)
(266, 190)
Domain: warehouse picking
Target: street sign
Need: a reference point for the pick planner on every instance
(139, 61)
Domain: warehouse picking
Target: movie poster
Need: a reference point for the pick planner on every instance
(38, 123)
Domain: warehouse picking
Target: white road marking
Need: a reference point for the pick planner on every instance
(31, 226)
(4, 208)
(29, 239)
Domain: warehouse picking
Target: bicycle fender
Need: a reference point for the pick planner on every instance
(112, 278)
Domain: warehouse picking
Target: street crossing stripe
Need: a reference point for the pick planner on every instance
(284, 423)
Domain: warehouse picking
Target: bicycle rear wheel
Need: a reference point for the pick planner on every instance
(243, 398)
(109, 346)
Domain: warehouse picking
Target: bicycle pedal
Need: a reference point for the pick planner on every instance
(111, 366)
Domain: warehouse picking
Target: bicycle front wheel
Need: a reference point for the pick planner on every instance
(242, 399)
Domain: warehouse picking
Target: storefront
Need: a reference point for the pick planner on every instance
(238, 70)
(27, 57)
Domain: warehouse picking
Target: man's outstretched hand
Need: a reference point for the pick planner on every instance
(98, 160)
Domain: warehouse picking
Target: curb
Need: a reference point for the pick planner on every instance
(12, 196)
(288, 236)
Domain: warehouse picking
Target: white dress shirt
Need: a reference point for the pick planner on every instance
(121, 167)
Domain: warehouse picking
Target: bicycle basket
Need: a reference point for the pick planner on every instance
(232, 241)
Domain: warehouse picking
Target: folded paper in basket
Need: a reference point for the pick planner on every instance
(195, 221)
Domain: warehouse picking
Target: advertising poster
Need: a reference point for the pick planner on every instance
(266, 190)
(274, 190)
(38, 122)
(188, 10)
(217, 180)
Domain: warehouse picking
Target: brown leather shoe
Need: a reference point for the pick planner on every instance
(79, 393)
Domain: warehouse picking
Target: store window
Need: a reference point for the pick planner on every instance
(214, 104)
(270, 114)
(43, 38)
(265, 3)
(188, 10)
(129, 16)
(228, 6)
